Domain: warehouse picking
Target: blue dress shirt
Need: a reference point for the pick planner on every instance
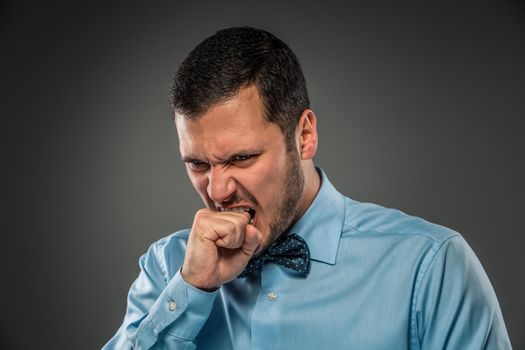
(379, 279)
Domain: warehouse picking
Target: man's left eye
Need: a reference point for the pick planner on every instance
(241, 157)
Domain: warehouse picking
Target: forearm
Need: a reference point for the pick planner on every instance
(161, 315)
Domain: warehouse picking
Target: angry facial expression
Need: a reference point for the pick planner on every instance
(235, 158)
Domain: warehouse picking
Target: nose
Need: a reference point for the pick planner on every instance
(221, 186)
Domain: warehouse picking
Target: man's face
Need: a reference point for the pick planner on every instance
(237, 159)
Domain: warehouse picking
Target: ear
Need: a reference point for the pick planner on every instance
(306, 134)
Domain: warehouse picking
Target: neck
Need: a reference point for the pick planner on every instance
(312, 184)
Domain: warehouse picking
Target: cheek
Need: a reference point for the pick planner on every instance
(268, 180)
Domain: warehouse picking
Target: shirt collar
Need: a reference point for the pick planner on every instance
(322, 224)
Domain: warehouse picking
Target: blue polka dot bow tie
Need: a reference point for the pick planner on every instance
(290, 251)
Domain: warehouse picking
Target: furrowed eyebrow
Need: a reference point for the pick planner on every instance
(187, 159)
(245, 152)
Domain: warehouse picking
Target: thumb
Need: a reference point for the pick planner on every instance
(252, 239)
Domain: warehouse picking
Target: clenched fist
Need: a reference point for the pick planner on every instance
(220, 245)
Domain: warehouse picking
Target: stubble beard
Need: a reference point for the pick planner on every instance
(288, 207)
(293, 190)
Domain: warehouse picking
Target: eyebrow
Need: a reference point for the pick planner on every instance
(190, 157)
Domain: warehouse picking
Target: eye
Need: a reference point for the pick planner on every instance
(243, 160)
(197, 165)
(241, 157)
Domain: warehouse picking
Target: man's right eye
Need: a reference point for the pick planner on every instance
(197, 165)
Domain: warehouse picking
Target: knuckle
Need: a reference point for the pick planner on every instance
(231, 226)
(202, 215)
(201, 212)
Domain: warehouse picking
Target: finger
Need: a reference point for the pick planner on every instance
(231, 232)
(252, 240)
(245, 215)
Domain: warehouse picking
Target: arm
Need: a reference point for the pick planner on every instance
(161, 314)
(455, 306)
(167, 312)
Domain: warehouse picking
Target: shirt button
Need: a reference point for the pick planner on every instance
(272, 296)
(172, 305)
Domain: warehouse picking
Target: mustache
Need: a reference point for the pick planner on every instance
(238, 197)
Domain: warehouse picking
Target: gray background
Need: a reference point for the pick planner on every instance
(420, 107)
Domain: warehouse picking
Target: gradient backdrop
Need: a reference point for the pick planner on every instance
(421, 107)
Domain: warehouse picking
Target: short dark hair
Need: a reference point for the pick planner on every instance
(235, 58)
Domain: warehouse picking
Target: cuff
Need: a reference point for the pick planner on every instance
(181, 309)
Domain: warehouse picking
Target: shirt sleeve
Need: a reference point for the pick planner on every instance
(455, 306)
(161, 313)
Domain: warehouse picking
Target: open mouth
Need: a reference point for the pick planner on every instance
(249, 210)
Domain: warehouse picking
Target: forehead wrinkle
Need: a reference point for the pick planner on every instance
(231, 127)
(218, 147)
(221, 142)
(222, 149)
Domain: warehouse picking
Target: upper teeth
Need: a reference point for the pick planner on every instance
(238, 209)
(241, 210)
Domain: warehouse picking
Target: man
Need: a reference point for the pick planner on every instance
(279, 259)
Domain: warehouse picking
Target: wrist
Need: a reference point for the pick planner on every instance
(202, 286)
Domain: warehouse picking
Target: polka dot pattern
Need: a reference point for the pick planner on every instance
(289, 251)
